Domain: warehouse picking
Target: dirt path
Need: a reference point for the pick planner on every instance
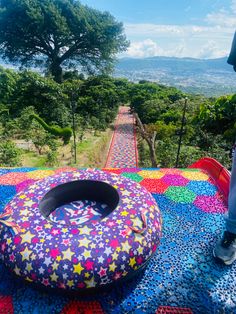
(123, 148)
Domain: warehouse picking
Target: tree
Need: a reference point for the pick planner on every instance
(57, 33)
(8, 79)
(46, 96)
(10, 155)
(219, 116)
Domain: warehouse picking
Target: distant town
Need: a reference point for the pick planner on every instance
(213, 77)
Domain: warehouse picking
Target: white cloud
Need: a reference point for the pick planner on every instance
(149, 48)
(233, 6)
(143, 49)
(222, 19)
(211, 40)
(211, 50)
(180, 41)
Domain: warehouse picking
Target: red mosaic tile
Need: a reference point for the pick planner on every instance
(6, 305)
(83, 307)
(13, 178)
(155, 185)
(173, 310)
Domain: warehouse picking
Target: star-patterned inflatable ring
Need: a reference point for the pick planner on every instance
(81, 256)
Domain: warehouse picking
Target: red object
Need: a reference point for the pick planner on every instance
(6, 306)
(83, 307)
(173, 310)
(155, 185)
(218, 173)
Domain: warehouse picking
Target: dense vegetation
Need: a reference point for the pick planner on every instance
(209, 124)
(37, 109)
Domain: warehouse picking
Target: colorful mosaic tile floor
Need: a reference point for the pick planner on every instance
(182, 272)
(123, 149)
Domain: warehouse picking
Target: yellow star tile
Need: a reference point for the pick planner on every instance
(140, 250)
(9, 241)
(126, 193)
(24, 212)
(112, 267)
(68, 254)
(93, 245)
(132, 262)
(47, 226)
(85, 230)
(28, 267)
(114, 256)
(78, 268)
(125, 247)
(87, 254)
(26, 254)
(54, 277)
(84, 242)
(28, 203)
(70, 283)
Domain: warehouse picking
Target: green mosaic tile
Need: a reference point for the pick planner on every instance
(180, 194)
(189, 169)
(133, 176)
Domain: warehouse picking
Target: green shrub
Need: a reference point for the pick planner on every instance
(10, 155)
(64, 133)
(52, 159)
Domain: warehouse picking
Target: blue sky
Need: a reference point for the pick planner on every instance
(181, 28)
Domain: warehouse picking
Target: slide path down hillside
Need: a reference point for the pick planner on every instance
(123, 148)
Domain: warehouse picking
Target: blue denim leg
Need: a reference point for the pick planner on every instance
(231, 217)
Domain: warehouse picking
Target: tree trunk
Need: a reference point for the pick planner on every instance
(151, 145)
(56, 71)
(149, 138)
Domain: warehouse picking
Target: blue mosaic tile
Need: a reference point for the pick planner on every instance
(202, 188)
(6, 194)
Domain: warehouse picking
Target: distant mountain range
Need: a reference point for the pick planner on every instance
(211, 77)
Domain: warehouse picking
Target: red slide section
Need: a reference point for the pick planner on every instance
(219, 173)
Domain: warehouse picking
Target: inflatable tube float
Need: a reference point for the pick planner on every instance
(87, 253)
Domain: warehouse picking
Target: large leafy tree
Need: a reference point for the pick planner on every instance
(56, 33)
